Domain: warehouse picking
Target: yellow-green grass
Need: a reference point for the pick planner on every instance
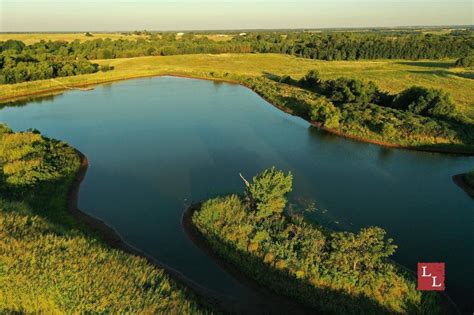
(31, 38)
(52, 264)
(390, 75)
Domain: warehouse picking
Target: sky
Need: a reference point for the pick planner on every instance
(123, 15)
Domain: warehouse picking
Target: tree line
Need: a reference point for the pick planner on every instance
(42, 60)
(355, 46)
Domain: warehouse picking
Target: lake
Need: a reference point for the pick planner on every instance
(157, 144)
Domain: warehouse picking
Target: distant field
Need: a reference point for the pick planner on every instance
(32, 38)
(390, 75)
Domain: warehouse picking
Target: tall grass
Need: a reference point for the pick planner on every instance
(51, 264)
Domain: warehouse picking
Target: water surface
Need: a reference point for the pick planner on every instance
(157, 144)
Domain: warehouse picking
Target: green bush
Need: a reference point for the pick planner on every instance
(425, 102)
(334, 272)
(311, 80)
(267, 192)
(465, 62)
(344, 90)
(325, 112)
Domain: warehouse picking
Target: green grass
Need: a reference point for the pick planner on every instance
(51, 264)
(389, 75)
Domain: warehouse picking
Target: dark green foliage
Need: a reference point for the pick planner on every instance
(425, 102)
(286, 79)
(16, 69)
(311, 80)
(334, 272)
(344, 90)
(465, 62)
(267, 192)
(362, 45)
(105, 68)
(88, 34)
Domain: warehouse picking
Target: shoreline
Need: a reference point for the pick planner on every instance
(426, 148)
(274, 303)
(198, 240)
(112, 238)
(460, 180)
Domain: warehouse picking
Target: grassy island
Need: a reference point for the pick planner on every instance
(50, 263)
(333, 272)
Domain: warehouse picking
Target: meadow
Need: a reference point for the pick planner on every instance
(31, 38)
(390, 75)
(52, 264)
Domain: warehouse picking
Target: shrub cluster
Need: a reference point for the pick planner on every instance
(417, 116)
(465, 62)
(335, 272)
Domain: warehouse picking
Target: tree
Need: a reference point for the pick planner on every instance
(311, 80)
(324, 112)
(267, 192)
(360, 252)
(425, 102)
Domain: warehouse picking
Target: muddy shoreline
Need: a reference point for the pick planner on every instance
(263, 302)
(57, 90)
(461, 181)
(111, 237)
(267, 301)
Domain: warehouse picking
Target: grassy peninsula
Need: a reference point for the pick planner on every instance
(50, 263)
(333, 272)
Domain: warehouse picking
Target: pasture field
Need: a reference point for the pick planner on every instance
(389, 75)
(31, 38)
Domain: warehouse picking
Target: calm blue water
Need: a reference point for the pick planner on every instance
(156, 144)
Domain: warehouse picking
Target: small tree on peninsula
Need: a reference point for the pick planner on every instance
(267, 192)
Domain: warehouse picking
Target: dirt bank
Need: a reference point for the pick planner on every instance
(264, 301)
(112, 238)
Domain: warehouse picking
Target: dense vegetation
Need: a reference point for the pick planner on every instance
(466, 62)
(48, 262)
(354, 46)
(334, 272)
(19, 63)
(44, 60)
(417, 116)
